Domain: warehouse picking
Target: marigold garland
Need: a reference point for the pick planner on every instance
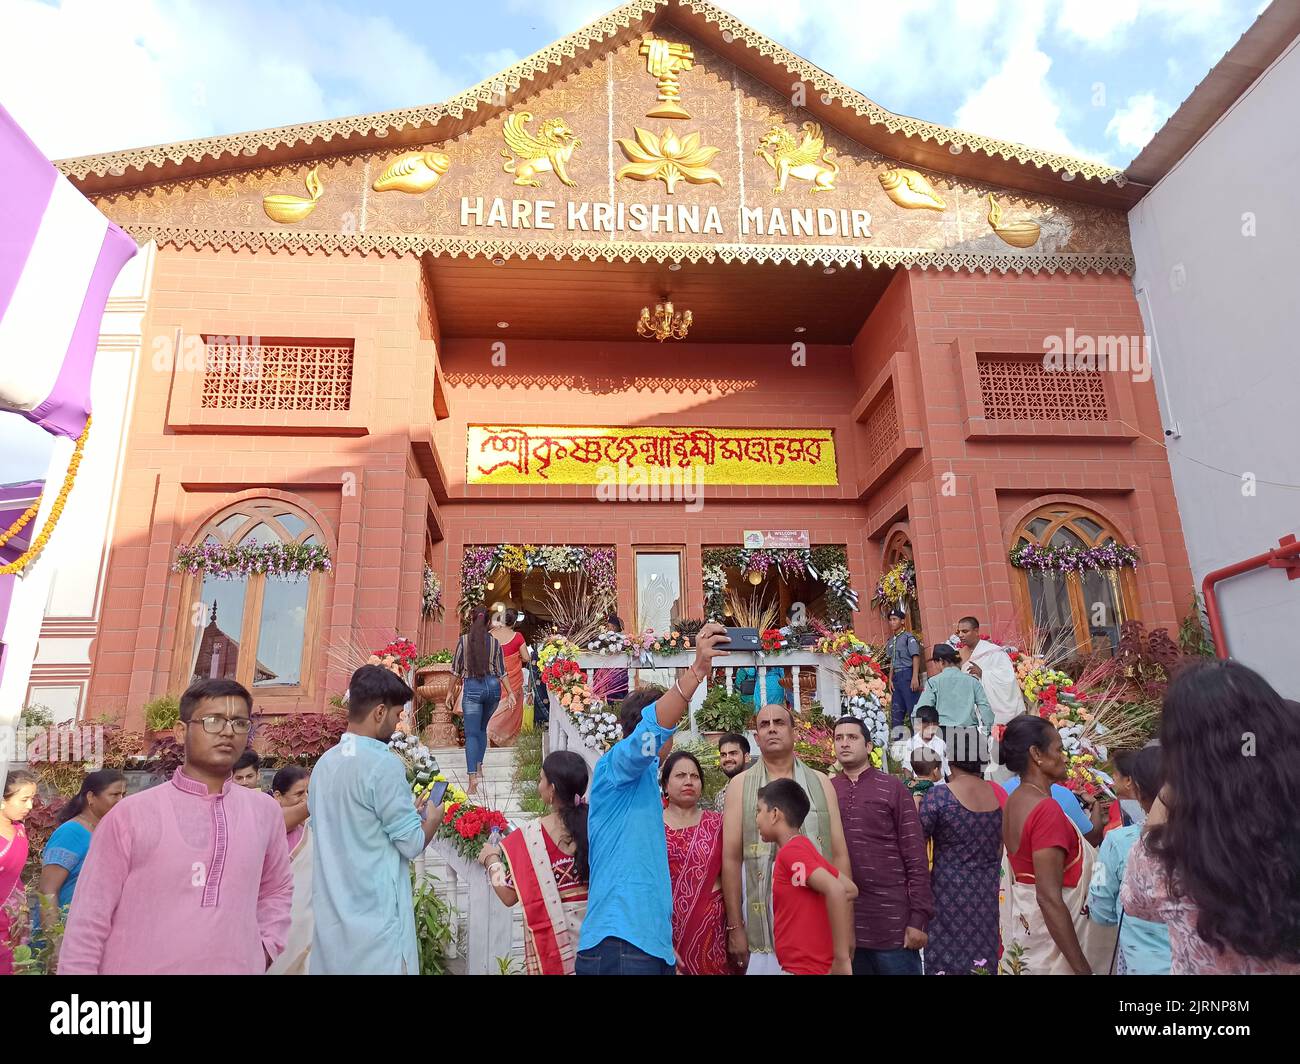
(56, 511)
(18, 525)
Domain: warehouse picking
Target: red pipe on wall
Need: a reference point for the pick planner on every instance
(1286, 556)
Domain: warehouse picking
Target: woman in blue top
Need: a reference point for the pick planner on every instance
(1143, 945)
(64, 854)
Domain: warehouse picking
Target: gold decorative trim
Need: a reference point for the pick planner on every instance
(831, 89)
(493, 91)
(490, 92)
(626, 251)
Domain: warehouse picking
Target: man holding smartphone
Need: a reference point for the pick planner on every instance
(368, 828)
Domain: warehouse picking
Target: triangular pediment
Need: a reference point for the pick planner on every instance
(664, 130)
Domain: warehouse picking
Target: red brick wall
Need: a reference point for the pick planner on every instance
(924, 335)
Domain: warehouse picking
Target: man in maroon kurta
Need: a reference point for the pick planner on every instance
(887, 853)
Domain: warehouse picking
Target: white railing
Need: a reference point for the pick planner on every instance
(562, 735)
(483, 924)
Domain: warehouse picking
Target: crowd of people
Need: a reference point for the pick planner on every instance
(969, 867)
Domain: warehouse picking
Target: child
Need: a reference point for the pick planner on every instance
(927, 770)
(957, 696)
(812, 936)
(926, 736)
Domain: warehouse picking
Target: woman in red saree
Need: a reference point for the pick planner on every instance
(694, 839)
(19, 794)
(543, 865)
(509, 717)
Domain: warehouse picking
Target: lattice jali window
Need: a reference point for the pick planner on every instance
(882, 425)
(1018, 390)
(242, 373)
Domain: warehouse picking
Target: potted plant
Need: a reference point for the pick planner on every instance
(722, 712)
(433, 680)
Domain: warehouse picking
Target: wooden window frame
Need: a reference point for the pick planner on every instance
(254, 596)
(1127, 581)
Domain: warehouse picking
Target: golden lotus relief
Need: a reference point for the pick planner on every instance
(909, 189)
(1021, 234)
(668, 159)
(808, 160)
(287, 209)
(529, 155)
(665, 61)
(414, 172)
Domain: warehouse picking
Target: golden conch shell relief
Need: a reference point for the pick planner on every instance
(665, 61)
(1018, 234)
(288, 209)
(909, 189)
(529, 155)
(808, 160)
(414, 172)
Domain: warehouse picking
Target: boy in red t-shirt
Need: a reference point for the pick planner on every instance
(813, 936)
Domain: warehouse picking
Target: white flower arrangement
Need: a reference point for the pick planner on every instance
(599, 730)
(421, 765)
(837, 580)
(871, 713)
(609, 643)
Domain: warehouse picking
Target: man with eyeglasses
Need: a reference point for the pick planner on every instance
(189, 878)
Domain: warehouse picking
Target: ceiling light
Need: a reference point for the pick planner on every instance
(503, 325)
(664, 323)
(674, 266)
(828, 270)
(498, 261)
(800, 329)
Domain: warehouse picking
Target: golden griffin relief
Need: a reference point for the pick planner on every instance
(909, 189)
(668, 159)
(1017, 234)
(809, 160)
(665, 61)
(531, 155)
(414, 172)
(287, 209)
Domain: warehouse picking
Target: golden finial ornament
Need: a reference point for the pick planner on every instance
(1017, 234)
(289, 209)
(529, 155)
(668, 159)
(808, 160)
(909, 189)
(665, 61)
(414, 172)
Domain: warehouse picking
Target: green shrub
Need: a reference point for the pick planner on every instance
(724, 712)
(433, 925)
(162, 714)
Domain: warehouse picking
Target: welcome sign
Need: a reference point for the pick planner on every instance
(576, 454)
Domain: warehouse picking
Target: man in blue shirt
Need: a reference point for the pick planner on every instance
(628, 929)
(904, 654)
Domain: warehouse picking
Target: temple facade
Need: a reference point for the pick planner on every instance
(394, 366)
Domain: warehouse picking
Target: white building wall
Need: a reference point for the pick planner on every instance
(1217, 244)
(60, 674)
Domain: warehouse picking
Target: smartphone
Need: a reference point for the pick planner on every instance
(436, 794)
(741, 639)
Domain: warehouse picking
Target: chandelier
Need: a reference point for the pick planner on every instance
(664, 323)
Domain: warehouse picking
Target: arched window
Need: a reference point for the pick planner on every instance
(258, 629)
(899, 550)
(1079, 613)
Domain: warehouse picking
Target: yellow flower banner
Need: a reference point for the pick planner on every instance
(568, 454)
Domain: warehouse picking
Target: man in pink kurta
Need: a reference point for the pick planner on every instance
(191, 877)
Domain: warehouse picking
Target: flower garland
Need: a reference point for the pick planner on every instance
(1108, 556)
(827, 563)
(431, 601)
(56, 511)
(274, 559)
(565, 678)
(1055, 697)
(897, 587)
(478, 563)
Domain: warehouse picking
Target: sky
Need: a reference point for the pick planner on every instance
(1090, 78)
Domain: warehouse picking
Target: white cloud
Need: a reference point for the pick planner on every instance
(1109, 23)
(97, 77)
(1137, 121)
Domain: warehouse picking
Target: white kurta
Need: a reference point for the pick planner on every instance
(998, 676)
(365, 833)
